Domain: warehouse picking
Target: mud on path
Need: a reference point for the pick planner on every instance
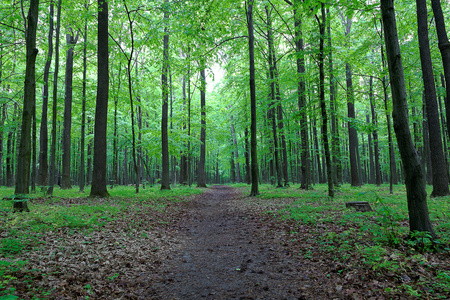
(229, 253)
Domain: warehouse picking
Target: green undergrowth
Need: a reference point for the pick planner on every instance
(69, 211)
(378, 240)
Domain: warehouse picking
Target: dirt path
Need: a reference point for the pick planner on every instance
(228, 255)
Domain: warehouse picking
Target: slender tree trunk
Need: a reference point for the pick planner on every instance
(201, 180)
(165, 180)
(236, 152)
(43, 134)
(335, 145)
(2, 123)
(419, 219)
(248, 177)
(439, 167)
(301, 94)
(444, 47)
(83, 108)
(29, 103)
(322, 101)
(253, 140)
(52, 170)
(183, 159)
(98, 188)
(67, 136)
(375, 135)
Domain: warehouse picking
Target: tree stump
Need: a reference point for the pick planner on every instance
(361, 206)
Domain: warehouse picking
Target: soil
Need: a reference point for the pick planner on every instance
(231, 254)
(217, 245)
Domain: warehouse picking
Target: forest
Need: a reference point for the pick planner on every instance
(154, 101)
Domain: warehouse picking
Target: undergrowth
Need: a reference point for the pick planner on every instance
(70, 210)
(378, 240)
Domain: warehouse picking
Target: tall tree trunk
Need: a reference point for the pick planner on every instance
(83, 108)
(253, 141)
(98, 188)
(183, 159)
(335, 144)
(375, 135)
(392, 165)
(322, 101)
(236, 152)
(67, 136)
(52, 165)
(29, 102)
(201, 180)
(2, 123)
(444, 47)
(419, 219)
(426, 147)
(439, 167)
(248, 177)
(10, 153)
(301, 94)
(165, 180)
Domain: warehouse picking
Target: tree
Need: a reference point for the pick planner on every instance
(322, 23)
(29, 102)
(43, 133)
(444, 47)
(165, 180)
(67, 136)
(52, 170)
(98, 188)
(419, 219)
(438, 164)
(201, 180)
(253, 141)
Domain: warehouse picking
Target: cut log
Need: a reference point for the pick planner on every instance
(361, 206)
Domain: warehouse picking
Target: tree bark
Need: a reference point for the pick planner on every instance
(83, 108)
(375, 135)
(301, 94)
(444, 47)
(98, 188)
(419, 219)
(29, 102)
(52, 170)
(335, 144)
(322, 101)
(201, 180)
(253, 141)
(439, 167)
(67, 135)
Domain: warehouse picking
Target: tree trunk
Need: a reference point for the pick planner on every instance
(248, 177)
(201, 180)
(375, 135)
(98, 188)
(335, 144)
(301, 94)
(253, 140)
(444, 47)
(29, 103)
(52, 170)
(165, 180)
(419, 219)
(83, 108)
(67, 136)
(322, 101)
(236, 152)
(439, 167)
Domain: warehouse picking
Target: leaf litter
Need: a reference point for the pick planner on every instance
(217, 245)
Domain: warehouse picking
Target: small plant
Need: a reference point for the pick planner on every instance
(11, 247)
(389, 219)
(421, 241)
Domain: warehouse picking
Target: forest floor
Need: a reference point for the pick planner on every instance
(220, 244)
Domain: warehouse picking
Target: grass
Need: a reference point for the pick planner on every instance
(379, 239)
(70, 210)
